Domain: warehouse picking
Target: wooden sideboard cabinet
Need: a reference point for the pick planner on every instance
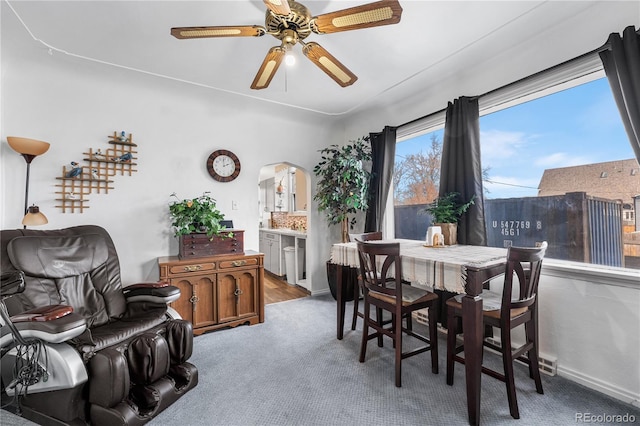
(217, 291)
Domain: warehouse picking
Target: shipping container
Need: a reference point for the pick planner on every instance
(577, 227)
(412, 221)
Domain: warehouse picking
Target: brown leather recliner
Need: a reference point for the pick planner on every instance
(132, 353)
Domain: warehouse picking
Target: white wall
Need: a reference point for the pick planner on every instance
(590, 327)
(593, 329)
(75, 105)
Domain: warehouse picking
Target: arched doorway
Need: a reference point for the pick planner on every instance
(284, 197)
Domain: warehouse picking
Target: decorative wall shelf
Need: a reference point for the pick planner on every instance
(99, 167)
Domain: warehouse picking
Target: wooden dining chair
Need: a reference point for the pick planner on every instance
(380, 269)
(507, 312)
(357, 289)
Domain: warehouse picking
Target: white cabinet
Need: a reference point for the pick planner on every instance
(270, 246)
(267, 196)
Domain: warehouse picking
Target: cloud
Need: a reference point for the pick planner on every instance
(499, 144)
(561, 159)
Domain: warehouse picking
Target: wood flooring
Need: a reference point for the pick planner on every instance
(278, 290)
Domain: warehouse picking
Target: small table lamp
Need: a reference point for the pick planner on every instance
(29, 149)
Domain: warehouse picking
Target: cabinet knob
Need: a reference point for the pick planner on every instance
(194, 299)
(238, 292)
(238, 262)
(192, 268)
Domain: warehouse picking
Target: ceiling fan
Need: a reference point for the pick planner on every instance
(291, 23)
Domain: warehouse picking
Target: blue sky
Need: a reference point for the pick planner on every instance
(576, 126)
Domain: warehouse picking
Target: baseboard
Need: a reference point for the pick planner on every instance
(600, 386)
(320, 292)
(547, 364)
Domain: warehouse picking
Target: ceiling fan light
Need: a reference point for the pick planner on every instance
(290, 59)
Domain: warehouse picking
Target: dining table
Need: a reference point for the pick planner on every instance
(461, 269)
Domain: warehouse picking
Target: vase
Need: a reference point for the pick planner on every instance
(450, 232)
(349, 280)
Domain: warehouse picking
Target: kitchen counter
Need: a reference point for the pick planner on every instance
(285, 231)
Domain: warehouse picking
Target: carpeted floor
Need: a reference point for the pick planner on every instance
(291, 370)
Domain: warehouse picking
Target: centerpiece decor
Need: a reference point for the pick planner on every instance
(197, 224)
(446, 212)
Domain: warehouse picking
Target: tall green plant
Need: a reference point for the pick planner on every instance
(343, 184)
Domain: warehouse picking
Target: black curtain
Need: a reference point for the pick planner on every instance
(621, 61)
(461, 168)
(383, 152)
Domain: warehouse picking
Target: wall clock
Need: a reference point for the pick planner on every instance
(223, 165)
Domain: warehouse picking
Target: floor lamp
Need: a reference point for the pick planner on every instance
(29, 149)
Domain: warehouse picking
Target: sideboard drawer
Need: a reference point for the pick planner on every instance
(237, 263)
(192, 267)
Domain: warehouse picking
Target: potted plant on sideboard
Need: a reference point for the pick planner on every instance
(197, 224)
(446, 212)
(342, 191)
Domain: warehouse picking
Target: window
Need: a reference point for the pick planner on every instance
(554, 168)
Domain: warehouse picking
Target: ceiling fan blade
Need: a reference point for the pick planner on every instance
(224, 31)
(385, 12)
(279, 7)
(330, 65)
(268, 68)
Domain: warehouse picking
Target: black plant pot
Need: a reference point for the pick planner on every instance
(349, 280)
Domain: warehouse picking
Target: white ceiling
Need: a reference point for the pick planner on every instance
(437, 43)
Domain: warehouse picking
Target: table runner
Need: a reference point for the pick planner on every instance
(442, 268)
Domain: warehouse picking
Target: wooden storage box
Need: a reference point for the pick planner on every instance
(201, 245)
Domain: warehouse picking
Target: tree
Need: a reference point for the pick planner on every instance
(417, 177)
(343, 183)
